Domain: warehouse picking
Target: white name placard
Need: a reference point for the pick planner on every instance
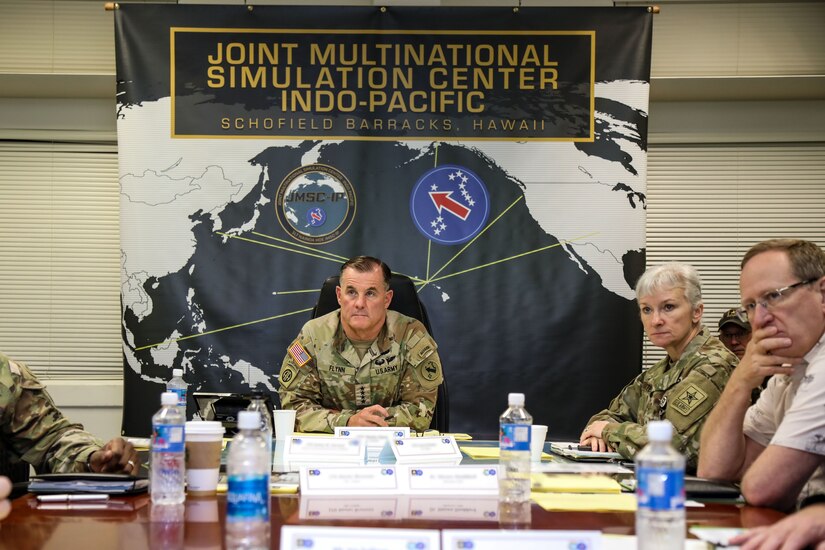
(453, 508)
(452, 480)
(324, 450)
(358, 507)
(523, 540)
(301, 537)
(376, 434)
(351, 480)
(420, 450)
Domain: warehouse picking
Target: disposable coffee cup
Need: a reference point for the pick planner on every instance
(284, 421)
(538, 433)
(203, 456)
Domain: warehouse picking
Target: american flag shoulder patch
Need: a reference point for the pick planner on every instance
(299, 354)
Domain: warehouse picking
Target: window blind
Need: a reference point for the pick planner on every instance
(59, 259)
(707, 205)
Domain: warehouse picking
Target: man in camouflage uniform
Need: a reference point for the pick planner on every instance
(683, 393)
(361, 365)
(684, 386)
(35, 431)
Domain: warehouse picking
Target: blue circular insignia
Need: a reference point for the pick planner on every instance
(316, 217)
(449, 204)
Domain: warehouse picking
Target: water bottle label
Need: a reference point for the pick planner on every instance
(247, 498)
(660, 488)
(181, 395)
(514, 437)
(167, 438)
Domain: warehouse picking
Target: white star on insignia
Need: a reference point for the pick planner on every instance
(471, 202)
(443, 226)
(464, 179)
(452, 176)
(433, 223)
(434, 187)
(436, 232)
(461, 186)
(439, 219)
(460, 174)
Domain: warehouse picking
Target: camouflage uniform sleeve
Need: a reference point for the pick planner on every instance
(300, 389)
(688, 404)
(419, 381)
(624, 406)
(33, 428)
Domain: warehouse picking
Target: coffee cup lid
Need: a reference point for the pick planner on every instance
(204, 427)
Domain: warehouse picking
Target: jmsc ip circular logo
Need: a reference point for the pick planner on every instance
(315, 204)
(450, 204)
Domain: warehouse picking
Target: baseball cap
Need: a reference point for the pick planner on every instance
(730, 316)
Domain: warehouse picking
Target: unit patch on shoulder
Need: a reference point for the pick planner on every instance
(288, 375)
(429, 371)
(690, 398)
(299, 354)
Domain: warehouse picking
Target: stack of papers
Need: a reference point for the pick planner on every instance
(574, 483)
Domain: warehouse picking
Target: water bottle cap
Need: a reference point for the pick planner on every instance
(249, 420)
(177, 372)
(515, 399)
(168, 398)
(659, 430)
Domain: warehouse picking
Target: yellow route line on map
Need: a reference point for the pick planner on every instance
(512, 257)
(457, 254)
(330, 254)
(223, 329)
(278, 247)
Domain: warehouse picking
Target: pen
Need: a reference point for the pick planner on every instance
(72, 498)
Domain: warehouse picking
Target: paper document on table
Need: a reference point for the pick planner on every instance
(570, 449)
(628, 542)
(574, 483)
(479, 453)
(582, 502)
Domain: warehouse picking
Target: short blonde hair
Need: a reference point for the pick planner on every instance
(671, 275)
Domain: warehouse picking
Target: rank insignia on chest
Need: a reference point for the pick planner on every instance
(362, 395)
(689, 398)
(299, 354)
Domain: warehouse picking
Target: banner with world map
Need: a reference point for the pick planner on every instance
(497, 156)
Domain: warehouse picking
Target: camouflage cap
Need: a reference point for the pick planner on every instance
(730, 316)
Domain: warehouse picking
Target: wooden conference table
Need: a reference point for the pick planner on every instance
(133, 523)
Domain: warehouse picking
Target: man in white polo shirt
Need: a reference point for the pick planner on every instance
(777, 446)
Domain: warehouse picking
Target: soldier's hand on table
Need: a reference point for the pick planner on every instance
(592, 435)
(374, 415)
(5, 489)
(117, 456)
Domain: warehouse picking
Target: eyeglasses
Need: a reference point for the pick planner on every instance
(769, 300)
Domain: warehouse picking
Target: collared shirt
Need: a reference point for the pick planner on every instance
(791, 413)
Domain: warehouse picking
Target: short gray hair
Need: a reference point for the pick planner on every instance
(671, 275)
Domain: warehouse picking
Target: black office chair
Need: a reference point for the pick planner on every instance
(405, 301)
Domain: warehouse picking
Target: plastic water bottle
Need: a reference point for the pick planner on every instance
(178, 386)
(514, 452)
(168, 466)
(258, 403)
(660, 490)
(247, 497)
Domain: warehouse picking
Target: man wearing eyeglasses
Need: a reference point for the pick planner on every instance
(777, 446)
(734, 332)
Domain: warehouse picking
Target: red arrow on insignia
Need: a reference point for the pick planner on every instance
(442, 200)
